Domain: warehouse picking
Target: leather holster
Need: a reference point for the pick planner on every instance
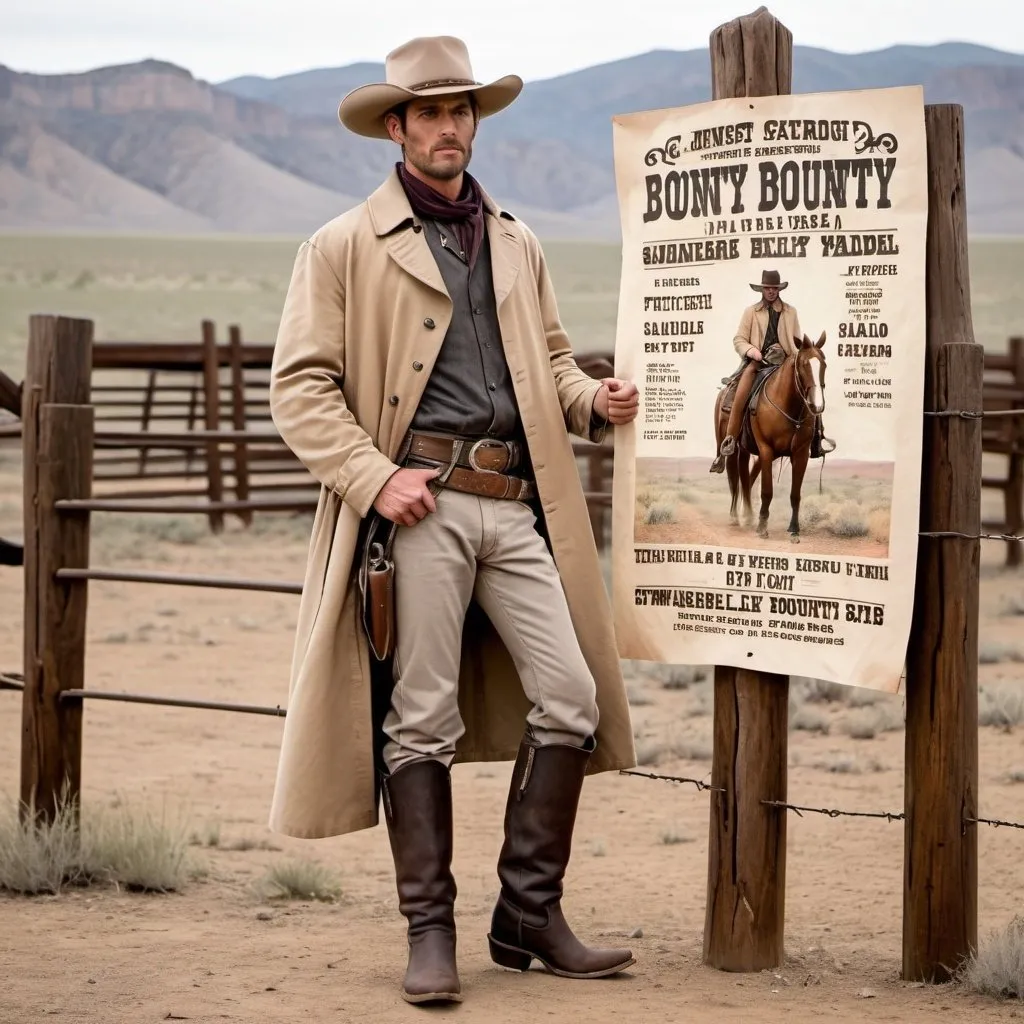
(377, 586)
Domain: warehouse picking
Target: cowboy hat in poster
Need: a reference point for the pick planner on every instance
(772, 311)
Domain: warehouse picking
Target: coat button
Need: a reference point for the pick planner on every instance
(428, 323)
(417, 365)
(393, 399)
(492, 387)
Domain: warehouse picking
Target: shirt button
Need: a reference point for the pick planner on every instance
(477, 310)
(393, 399)
(492, 387)
(428, 323)
(417, 365)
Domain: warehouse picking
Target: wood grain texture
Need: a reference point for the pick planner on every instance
(211, 400)
(57, 444)
(745, 912)
(940, 906)
(241, 449)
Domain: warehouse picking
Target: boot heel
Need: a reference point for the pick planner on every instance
(513, 959)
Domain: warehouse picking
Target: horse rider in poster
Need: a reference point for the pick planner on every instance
(769, 331)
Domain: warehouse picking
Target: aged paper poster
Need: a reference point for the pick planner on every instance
(776, 243)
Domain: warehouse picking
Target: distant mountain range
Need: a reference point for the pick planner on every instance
(148, 147)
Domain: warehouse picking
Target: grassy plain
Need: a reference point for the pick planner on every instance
(145, 288)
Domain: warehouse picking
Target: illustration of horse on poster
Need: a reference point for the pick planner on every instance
(779, 424)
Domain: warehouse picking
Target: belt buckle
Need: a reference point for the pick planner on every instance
(487, 442)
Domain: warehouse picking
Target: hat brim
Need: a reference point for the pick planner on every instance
(761, 287)
(362, 110)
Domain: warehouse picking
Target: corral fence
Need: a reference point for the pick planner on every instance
(744, 924)
(188, 422)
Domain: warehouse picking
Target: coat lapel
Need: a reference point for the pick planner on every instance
(410, 251)
(506, 256)
(394, 221)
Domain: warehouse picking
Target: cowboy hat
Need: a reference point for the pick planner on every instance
(426, 66)
(770, 279)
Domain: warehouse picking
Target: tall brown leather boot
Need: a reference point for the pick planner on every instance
(418, 811)
(527, 922)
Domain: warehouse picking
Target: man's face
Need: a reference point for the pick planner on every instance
(770, 294)
(438, 135)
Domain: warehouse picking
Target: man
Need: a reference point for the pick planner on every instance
(422, 375)
(769, 331)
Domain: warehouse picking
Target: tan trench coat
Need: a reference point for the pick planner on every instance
(365, 315)
(754, 326)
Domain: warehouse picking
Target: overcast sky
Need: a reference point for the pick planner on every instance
(219, 39)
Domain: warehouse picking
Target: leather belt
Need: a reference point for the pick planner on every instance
(485, 455)
(490, 485)
(474, 466)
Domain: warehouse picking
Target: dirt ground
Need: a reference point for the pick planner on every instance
(844, 507)
(217, 952)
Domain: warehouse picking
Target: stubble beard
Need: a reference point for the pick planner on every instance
(441, 171)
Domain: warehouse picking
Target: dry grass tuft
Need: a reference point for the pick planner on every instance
(637, 697)
(990, 653)
(674, 836)
(1001, 706)
(299, 880)
(122, 847)
(997, 969)
(808, 718)
(866, 723)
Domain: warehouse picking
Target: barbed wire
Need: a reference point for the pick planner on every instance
(828, 812)
(972, 536)
(700, 784)
(973, 415)
(831, 812)
(11, 681)
(994, 822)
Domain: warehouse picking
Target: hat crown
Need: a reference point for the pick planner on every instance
(428, 62)
(770, 278)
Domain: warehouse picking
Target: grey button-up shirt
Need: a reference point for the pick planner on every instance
(470, 388)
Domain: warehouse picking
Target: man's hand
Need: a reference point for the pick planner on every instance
(618, 401)
(754, 353)
(405, 499)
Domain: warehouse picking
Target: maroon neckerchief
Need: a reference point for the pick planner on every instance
(465, 214)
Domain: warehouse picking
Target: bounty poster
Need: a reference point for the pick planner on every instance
(823, 195)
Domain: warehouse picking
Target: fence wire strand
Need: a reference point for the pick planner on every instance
(701, 785)
(973, 415)
(972, 536)
(828, 812)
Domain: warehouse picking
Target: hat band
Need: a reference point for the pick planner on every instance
(437, 82)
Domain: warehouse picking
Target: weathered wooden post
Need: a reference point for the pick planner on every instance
(57, 433)
(211, 396)
(940, 883)
(745, 915)
(238, 419)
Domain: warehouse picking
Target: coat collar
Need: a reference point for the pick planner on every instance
(390, 210)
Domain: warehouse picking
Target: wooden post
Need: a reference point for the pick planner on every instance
(238, 419)
(1013, 496)
(745, 912)
(211, 398)
(147, 412)
(58, 440)
(940, 883)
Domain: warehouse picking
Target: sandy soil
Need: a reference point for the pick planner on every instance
(695, 508)
(217, 952)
